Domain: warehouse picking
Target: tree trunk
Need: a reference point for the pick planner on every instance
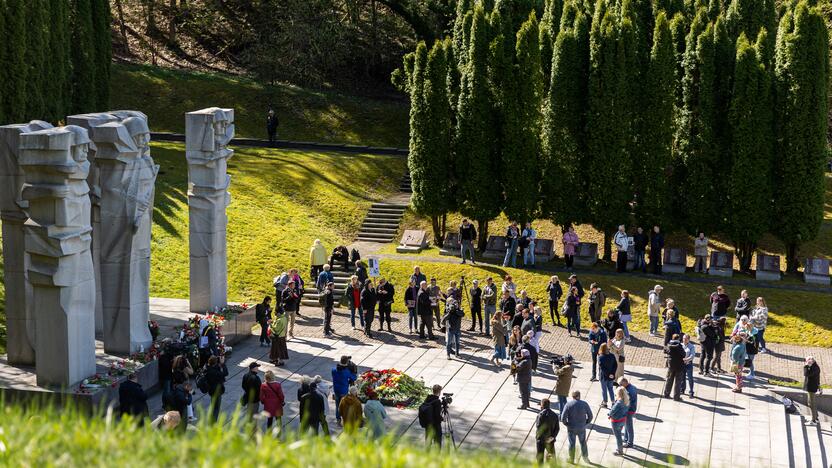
(607, 246)
(745, 253)
(438, 226)
(482, 234)
(122, 24)
(792, 263)
(172, 19)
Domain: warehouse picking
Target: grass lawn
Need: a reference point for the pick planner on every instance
(307, 115)
(794, 317)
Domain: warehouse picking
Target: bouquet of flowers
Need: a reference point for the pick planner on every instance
(143, 357)
(122, 367)
(229, 311)
(392, 387)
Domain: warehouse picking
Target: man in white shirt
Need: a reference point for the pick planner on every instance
(622, 243)
(690, 354)
(654, 307)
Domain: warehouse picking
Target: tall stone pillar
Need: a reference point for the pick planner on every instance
(20, 323)
(207, 134)
(57, 239)
(126, 177)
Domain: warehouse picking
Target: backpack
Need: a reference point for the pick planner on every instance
(354, 256)
(202, 381)
(700, 334)
(426, 414)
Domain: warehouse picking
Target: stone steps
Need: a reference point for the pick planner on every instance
(381, 225)
(405, 185)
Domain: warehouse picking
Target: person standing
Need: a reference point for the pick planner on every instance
(555, 292)
(132, 398)
(720, 302)
(612, 323)
(622, 243)
(279, 351)
(708, 336)
(654, 306)
(312, 411)
(328, 300)
(263, 315)
(510, 286)
(548, 426)
(573, 312)
(452, 321)
(617, 344)
(538, 327)
(607, 365)
(672, 326)
(618, 418)
(564, 376)
(624, 313)
(523, 369)
(700, 252)
(675, 368)
(435, 297)
(498, 338)
(512, 242)
(528, 238)
(342, 378)
(467, 235)
(576, 416)
(759, 318)
(298, 287)
(317, 259)
(640, 242)
(632, 393)
(743, 305)
(374, 415)
(215, 377)
(574, 282)
(271, 125)
(353, 294)
(811, 384)
(597, 299)
(690, 355)
(570, 246)
(476, 305)
(489, 299)
(386, 294)
(273, 399)
(410, 302)
(739, 354)
(290, 301)
(430, 418)
(368, 303)
(251, 390)
(716, 366)
(656, 246)
(424, 308)
(351, 412)
(324, 277)
(597, 337)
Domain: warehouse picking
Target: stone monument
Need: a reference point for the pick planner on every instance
(20, 322)
(586, 255)
(57, 239)
(451, 245)
(413, 241)
(544, 250)
(722, 264)
(675, 260)
(207, 134)
(768, 267)
(816, 271)
(496, 248)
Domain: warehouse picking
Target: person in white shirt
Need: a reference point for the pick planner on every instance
(528, 253)
(654, 306)
(690, 354)
(622, 243)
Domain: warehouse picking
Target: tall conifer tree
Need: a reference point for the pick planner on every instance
(102, 44)
(83, 58)
(16, 72)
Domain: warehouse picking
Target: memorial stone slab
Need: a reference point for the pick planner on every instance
(816, 271)
(496, 248)
(20, 322)
(57, 239)
(208, 132)
(544, 250)
(413, 241)
(586, 255)
(768, 267)
(675, 260)
(722, 264)
(451, 245)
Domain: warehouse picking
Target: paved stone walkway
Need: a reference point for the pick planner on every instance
(717, 427)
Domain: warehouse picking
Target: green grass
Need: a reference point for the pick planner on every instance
(307, 115)
(795, 317)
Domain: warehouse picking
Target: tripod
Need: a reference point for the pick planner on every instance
(464, 286)
(448, 428)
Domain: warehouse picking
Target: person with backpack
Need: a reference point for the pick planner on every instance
(273, 400)
(548, 426)
(597, 299)
(708, 335)
(263, 315)
(430, 418)
(452, 321)
(279, 351)
(280, 283)
(328, 302)
(386, 295)
(654, 306)
(215, 375)
(555, 292)
(342, 378)
(290, 302)
(251, 390)
(368, 303)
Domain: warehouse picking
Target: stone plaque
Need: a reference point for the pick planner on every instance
(816, 270)
(544, 249)
(586, 254)
(722, 264)
(675, 260)
(768, 267)
(412, 242)
(451, 245)
(496, 247)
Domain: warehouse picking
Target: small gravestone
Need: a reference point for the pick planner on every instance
(495, 248)
(413, 242)
(768, 267)
(544, 250)
(816, 271)
(675, 260)
(722, 264)
(451, 245)
(586, 255)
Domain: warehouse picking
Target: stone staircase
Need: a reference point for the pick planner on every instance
(342, 279)
(405, 185)
(382, 222)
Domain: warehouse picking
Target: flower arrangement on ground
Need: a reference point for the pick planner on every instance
(392, 387)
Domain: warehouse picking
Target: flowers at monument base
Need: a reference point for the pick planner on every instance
(143, 357)
(392, 388)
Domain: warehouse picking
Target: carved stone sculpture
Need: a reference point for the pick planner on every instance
(207, 134)
(20, 323)
(57, 239)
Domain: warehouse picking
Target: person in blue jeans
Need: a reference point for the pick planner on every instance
(632, 392)
(690, 355)
(607, 366)
(343, 376)
(353, 294)
(564, 375)
(512, 242)
(410, 303)
(576, 416)
(452, 321)
(618, 418)
(597, 337)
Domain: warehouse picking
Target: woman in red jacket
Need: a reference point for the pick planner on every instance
(271, 395)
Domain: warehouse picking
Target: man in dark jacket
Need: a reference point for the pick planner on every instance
(271, 125)
(640, 242)
(467, 235)
(328, 299)
(675, 368)
(263, 315)
(166, 369)
(361, 272)
(548, 427)
(433, 432)
(508, 304)
(340, 254)
(424, 311)
(452, 321)
(385, 292)
(180, 399)
(720, 302)
(312, 415)
(290, 300)
(342, 377)
(656, 246)
(251, 390)
(523, 369)
(476, 305)
(131, 398)
(811, 383)
(369, 299)
(215, 376)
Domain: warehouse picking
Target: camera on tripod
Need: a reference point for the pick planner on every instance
(560, 361)
(447, 399)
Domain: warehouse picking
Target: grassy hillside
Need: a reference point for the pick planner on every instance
(166, 95)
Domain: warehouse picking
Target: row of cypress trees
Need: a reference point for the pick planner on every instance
(55, 57)
(690, 114)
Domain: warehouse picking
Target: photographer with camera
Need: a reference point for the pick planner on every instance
(430, 417)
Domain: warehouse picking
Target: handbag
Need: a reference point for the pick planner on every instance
(621, 358)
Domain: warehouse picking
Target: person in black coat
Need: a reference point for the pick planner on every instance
(640, 242)
(166, 370)
(312, 415)
(523, 369)
(425, 311)
(476, 306)
(251, 390)
(215, 376)
(180, 400)
(361, 272)
(508, 304)
(548, 426)
(131, 398)
(263, 315)
(656, 246)
(328, 299)
(386, 293)
(271, 125)
(433, 432)
(368, 303)
(675, 368)
(708, 330)
(811, 383)
(611, 323)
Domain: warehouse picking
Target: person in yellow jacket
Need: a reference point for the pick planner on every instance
(317, 258)
(351, 412)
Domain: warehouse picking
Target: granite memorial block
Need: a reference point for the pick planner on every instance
(586, 255)
(675, 260)
(722, 264)
(816, 271)
(413, 241)
(496, 248)
(544, 250)
(768, 267)
(451, 245)
(57, 240)
(20, 322)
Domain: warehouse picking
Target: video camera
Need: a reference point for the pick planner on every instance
(447, 399)
(560, 361)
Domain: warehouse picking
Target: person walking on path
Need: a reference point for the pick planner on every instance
(328, 301)
(410, 302)
(386, 294)
(656, 246)
(618, 418)
(738, 356)
(759, 318)
(640, 242)
(498, 338)
(353, 294)
(374, 416)
(632, 393)
(452, 321)
(317, 259)
(476, 305)
(512, 242)
(342, 378)
(570, 246)
(675, 368)
(624, 313)
(351, 412)
(523, 369)
(654, 306)
(573, 312)
(811, 383)
(555, 292)
(263, 315)
(700, 252)
(597, 300)
(547, 426)
(290, 301)
(564, 376)
(368, 304)
(424, 309)
(271, 125)
(527, 239)
(622, 243)
(313, 411)
(720, 302)
(251, 390)
(607, 366)
(719, 348)
(215, 376)
(467, 236)
(489, 299)
(279, 351)
(708, 335)
(273, 400)
(576, 416)
(616, 345)
(690, 355)
(597, 337)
